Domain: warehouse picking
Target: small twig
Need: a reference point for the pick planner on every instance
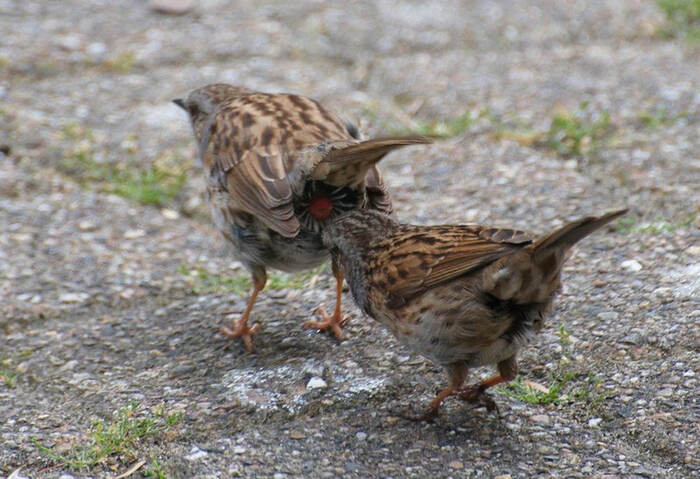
(51, 468)
(131, 470)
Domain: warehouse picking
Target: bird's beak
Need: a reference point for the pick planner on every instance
(180, 102)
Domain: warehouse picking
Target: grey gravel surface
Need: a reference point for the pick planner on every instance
(105, 301)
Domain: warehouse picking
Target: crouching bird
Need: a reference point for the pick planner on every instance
(279, 168)
(461, 295)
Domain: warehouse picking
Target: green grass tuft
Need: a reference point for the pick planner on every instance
(441, 128)
(155, 184)
(525, 393)
(683, 19)
(124, 62)
(7, 374)
(564, 384)
(659, 118)
(113, 441)
(660, 226)
(577, 133)
(205, 282)
(155, 470)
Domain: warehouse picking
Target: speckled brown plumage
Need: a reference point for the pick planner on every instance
(280, 167)
(461, 295)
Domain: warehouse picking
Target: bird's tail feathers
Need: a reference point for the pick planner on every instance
(348, 164)
(533, 274)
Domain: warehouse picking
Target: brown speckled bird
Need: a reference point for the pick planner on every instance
(279, 168)
(461, 295)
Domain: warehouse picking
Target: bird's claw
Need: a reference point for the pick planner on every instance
(333, 322)
(475, 394)
(242, 331)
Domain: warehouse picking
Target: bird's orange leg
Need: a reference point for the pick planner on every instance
(477, 392)
(240, 327)
(457, 374)
(508, 369)
(336, 321)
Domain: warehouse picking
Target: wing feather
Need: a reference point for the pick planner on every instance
(422, 259)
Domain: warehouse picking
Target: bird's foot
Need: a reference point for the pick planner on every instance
(476, 394)
(242, 331)
(427, 415)
(334, 322)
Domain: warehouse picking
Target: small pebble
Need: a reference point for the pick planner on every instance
(316, 383)
(666, 392)
(73, 297)
(87, 226)
(171, 7)
(132, 234)
(195, 454)
(96, 49)
(594, 421)
(541, 418)
(631, 265)
(170, 214)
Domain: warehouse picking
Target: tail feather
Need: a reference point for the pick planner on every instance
(570, 234)
(348, 165)
(532, 276)
(371, 151)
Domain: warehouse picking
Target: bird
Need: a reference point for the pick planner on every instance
(279, 167)
(461, 295)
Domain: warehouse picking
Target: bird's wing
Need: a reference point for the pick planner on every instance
(247, 162)
(420, 258)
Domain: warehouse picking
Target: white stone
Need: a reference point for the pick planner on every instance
(316, 383)
(96, 49)
(87, 225)
(631, 265)
(361, 436)
(170, 214)
(239, 450)
(666, 392)
(132, 234)
(195, 454)
(73, 297)
(594, 421)
(69, 42)
(541, 418)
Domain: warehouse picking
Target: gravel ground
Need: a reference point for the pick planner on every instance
(107, 302)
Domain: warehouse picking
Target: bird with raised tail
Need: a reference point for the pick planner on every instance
(279, 168)
(461, 295)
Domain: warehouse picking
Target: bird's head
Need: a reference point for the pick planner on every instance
(201, 103)
(199, 107)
